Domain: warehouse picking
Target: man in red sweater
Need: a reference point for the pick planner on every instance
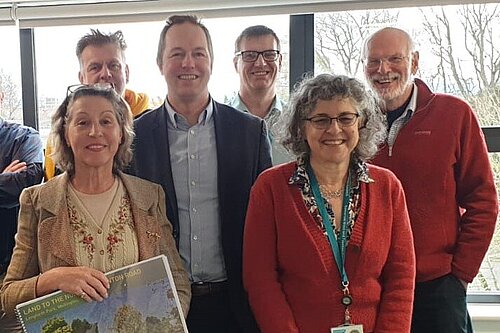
(436, 148)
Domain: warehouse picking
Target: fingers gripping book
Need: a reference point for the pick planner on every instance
(142, 298)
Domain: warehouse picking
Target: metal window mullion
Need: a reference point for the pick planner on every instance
(28, 77)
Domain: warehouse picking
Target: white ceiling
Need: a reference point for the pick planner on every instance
(32, 13)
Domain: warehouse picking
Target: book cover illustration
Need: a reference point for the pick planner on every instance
(142, 298)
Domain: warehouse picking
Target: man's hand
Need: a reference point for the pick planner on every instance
(15, 166)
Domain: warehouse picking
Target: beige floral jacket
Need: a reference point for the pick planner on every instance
(44, 230)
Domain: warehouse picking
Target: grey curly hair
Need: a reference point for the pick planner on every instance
(326, 87)
(63, 155)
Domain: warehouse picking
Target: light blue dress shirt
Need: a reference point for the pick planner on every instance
(279, 153)
(193, 156)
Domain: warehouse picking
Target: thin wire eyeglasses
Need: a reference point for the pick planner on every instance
(372, 63)
(251, 56)
(324, 122)
(100, 86)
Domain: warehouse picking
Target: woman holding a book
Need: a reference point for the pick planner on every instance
(327, 243)
(93, 218)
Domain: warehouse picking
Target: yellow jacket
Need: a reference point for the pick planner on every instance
(138, 103)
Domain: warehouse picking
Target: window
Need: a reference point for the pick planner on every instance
(57, 64)
(224, 31)
(468, 68)
(58, 67)
(10, 75)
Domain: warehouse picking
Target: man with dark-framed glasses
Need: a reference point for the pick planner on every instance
(258, 59)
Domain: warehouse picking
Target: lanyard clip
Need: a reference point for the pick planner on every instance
(345, 287)
(346, 299)
(347, 317)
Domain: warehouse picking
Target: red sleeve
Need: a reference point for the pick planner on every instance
(260, 264)
(398, 276)
(476, 196)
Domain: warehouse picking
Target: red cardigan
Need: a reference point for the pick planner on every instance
(289, 270)
(441, 158)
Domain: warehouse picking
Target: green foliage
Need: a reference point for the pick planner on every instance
(80, 326)
(129, 320)
(56, 325)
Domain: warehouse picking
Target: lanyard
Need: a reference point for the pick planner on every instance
(338, 245)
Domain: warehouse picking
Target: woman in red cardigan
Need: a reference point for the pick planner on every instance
(327, 238)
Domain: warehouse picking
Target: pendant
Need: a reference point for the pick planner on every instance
(346, 300)
(329, 194)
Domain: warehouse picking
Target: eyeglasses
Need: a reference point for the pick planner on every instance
(99, 86)
(251, 56)
(324, 122)
(372, 63)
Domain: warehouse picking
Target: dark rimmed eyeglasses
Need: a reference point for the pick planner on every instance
(251, 56)
(101, 86)
(324, 122)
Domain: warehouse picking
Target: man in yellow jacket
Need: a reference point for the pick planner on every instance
(102, 60)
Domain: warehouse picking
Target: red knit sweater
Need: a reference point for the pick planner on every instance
(290, 273)
(441, 158)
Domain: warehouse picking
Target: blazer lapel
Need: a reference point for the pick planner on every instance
(146, 227)
(54, 229)
(160, 140)
(224, 153)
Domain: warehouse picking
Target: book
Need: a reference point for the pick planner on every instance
(141, 298)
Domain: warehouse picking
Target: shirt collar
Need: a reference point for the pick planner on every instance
(412, 105)
(300, 177)
(275, 110)
(204, 116)
(277, 104)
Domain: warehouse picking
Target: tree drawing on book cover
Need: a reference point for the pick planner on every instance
(142, 298)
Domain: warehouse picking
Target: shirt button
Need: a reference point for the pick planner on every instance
(195, 237)
(194, 210)
(192, 156)
(101, 252)
(193, 183)
(191, 132)
(99, 231)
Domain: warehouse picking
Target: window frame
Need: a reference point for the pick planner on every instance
(301, 57)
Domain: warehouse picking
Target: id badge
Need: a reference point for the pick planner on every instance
(347, 329)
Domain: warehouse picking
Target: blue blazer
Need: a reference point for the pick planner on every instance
(243, 152)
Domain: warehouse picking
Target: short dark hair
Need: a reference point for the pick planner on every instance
(256, 31)
(180, 19)
(97, 38)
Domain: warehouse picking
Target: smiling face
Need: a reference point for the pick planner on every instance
(391, 81)
(334, 144)
(104, 64)
(186, 64)
(260, 74)
(93, 133)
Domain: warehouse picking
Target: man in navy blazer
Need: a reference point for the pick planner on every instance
(206, 156)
